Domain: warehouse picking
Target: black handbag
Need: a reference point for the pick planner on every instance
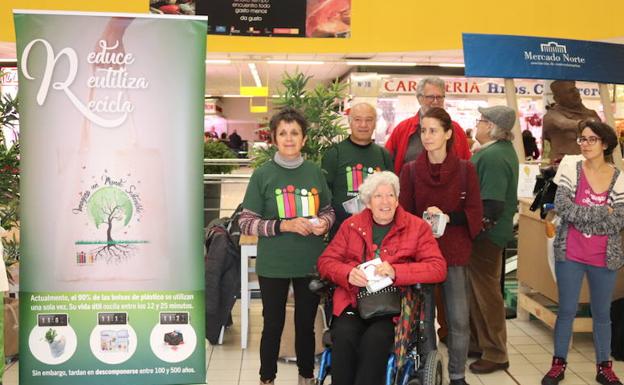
(384, 302)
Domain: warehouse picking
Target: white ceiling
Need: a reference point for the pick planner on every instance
(225, 79)
(222, 79)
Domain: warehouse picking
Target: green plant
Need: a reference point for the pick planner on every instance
(9, 176)
(50, 335)
(11, 255)
(218, 150)
(321, 108)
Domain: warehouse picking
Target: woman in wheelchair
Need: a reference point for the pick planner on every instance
(406, 252)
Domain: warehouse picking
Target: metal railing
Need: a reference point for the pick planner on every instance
(223, 179)
(227, 162)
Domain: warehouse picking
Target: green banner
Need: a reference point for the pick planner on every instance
(111, 120)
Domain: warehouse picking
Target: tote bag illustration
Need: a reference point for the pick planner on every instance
(113, 200)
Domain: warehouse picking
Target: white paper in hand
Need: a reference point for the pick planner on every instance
(375, 282)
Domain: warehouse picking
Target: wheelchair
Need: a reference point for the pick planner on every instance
(416, 367)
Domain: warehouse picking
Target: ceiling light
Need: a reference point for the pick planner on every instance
(254, 74)
(217, 61)
(8, 60)
(382, 63)
(295, 62)
(458, 65)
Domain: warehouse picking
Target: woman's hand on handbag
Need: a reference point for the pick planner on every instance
(385, 270)
(357, 277)
(301, 226)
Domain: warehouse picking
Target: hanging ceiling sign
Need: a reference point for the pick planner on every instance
(286, 18)
(505, 56)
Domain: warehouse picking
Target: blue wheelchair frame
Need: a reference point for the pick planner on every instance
(413, 363)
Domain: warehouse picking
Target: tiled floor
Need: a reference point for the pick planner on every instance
(529, 344)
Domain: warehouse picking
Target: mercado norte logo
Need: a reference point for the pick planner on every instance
(552, 53)
(113, 210)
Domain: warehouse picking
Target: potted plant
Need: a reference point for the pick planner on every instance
(9, 165)
(214, 149)
(321, 108)
(55, 342)
(9, 216)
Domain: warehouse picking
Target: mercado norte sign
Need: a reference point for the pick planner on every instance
(507, 56)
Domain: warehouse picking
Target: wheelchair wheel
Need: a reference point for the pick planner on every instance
(431, 371)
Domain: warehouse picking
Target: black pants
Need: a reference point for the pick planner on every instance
(360, 349)
(274, 294)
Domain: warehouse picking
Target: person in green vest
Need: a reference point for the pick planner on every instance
(348, 163)
(497, 169)
(287, 205)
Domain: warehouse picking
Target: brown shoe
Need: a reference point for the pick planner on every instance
(482, 366)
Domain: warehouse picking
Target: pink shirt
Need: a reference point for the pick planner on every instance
(586, 248)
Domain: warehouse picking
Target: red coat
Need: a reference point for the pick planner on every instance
(424, 185)
(409, 247)
(399, 139)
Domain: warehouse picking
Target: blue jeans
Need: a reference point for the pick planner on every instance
(601, 283)
(455, 290)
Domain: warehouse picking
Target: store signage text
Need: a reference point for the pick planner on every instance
(9, 77)
(529, 57)
(474, 87)
(553, 53)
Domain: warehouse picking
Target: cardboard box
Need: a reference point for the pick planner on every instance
(533, 268)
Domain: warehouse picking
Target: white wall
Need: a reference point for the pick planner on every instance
(236, 111)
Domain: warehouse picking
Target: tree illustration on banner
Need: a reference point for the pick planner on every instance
(111, 206)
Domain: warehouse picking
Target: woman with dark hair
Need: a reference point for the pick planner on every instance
(590, 203)
(287, 205)
(440, 184)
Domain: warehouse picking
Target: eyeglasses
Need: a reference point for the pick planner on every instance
(431, 98)
(480, 120)
(587, 140)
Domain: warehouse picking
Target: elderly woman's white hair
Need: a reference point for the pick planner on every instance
(377, 179)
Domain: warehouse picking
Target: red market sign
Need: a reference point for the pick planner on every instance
(478, 86)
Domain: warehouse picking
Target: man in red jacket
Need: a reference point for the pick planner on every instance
(404, 145)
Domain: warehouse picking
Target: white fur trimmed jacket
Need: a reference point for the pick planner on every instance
(592, 220)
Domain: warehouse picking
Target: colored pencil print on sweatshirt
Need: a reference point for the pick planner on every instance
(295, 202)
(356, 175)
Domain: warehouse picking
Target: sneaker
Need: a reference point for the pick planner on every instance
(556, 372)
(459, 381)
(605, 374)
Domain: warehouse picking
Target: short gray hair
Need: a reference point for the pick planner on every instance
(498, 133)
(377, 179)
(434, 81)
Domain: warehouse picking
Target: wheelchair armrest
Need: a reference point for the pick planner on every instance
(318, 285)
